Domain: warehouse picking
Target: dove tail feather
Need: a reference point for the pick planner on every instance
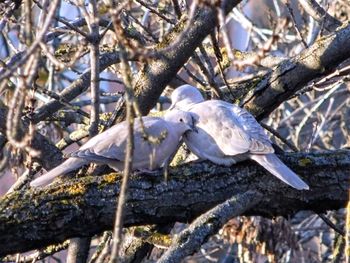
(67, 166)
(275, 166)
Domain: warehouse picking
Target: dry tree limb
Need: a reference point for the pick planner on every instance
(86, 206)
(130, 115)
(41, 254)
(94, 39)
(293, 74)
(190, 240)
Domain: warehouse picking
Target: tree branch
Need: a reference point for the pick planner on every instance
(50, 156)
(292, 75)
(86, 206)
(320, 15)
(79, 86)
(191, 239)
(173, 52)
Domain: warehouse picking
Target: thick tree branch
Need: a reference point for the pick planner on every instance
(172, 53)
(86, 206)
(292, 75)
(191, 239)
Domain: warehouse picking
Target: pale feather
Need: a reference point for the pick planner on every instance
(276, 167)
(228, 133)
(67, 166)
(109, 147)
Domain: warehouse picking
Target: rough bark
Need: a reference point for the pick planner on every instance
(293, 74)
(86, 206)
(156, 75)
(206, 225)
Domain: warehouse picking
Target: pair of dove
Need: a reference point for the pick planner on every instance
(213, 130)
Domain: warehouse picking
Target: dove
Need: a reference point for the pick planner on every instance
(226, 134)
(109, 147)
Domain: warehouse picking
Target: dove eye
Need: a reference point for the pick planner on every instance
(181, 120)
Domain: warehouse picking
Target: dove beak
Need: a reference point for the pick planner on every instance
(193, 125)
(172, 106)
(194, 129)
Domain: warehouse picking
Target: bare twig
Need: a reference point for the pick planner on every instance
(39, 255)
(129, 98)
(106, 238)
(275, 133)
(225, 35)
(154, 11)
(34, 46)
(290, 10)
(95, 70)
(331, 224)
(319, 14)
(177, 8)
(347, 233)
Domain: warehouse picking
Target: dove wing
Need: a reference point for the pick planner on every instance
(234, 130)
(218, 124)
(260, 142)
(111, 144)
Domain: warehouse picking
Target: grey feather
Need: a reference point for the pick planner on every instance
(109, 147)
(275, 166)
(67, 166)
(227, 134)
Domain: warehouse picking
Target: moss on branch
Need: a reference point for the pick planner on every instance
(85, 206)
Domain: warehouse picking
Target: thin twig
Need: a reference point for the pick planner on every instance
(347, 232)
(129, 97)
(290, 10)
(331, 224)
(279, 136)
(319, 14)
(95, 69)
(101, 246)
(152, 10)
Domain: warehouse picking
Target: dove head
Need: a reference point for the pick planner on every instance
(184, 96)
(183, 121)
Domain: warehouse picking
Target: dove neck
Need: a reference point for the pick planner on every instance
(181, 129)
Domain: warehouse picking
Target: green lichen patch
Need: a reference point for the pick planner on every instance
(160, 240)
(76, 189)
(169, 38)
(304, 162)
(111, 178)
